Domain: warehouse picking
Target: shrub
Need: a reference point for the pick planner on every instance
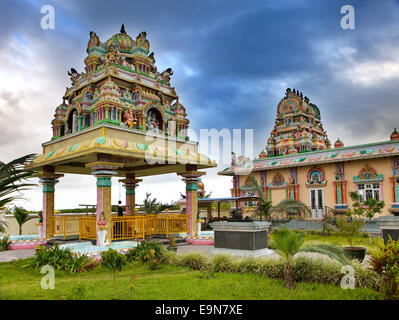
(248, 265)
(5, 243)
(60, 259)
(79, 263)
(223, 263)
(384, 261)
(195, 261)
(271, 268)
(170, 257)
(349, 228)
(114, 262)
(146, 250)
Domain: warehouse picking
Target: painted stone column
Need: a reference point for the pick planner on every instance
(296, 188)
(130, 183)
(391, 180)
(344, 199)
(48, 180)
(191, 179)
(104, 171)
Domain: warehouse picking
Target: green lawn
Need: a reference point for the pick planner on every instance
(166, 283)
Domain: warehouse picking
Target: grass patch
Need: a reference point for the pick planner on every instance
(169, 282)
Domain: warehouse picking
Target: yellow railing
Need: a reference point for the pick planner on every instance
(64, 226)
(126, 227)
(87, 228)
(130, 227)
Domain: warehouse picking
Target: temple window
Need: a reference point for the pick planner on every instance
(369, 191)
(369, 184)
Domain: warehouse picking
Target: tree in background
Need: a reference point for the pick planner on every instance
(22, 216)
(153, 206)
(366, 210)
(13, 180)
(265, 208)
(264, 205)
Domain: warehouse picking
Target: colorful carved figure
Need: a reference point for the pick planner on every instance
(316, 175)
(165, 75)
(94, 40)
(136, 95)
(74, 75)
(152, 122)
(130, 118)
(102, 230)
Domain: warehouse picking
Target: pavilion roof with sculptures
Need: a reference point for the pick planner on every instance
(114, 106)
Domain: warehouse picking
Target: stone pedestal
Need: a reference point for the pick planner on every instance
(241, 235)
(389, 226)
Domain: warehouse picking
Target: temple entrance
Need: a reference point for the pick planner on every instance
(73, 121)
(154, 120)
(317, 203)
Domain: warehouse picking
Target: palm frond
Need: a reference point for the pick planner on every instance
(291, 205)
(12, 179)
(333, 251)
(258, 188)
(287, 243)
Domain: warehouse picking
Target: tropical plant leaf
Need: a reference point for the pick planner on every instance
(333, 251)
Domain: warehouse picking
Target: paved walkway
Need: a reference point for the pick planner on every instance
(11, 255)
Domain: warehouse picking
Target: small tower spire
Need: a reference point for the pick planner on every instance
(123, 29)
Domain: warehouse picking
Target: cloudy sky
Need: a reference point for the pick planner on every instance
(232, 62)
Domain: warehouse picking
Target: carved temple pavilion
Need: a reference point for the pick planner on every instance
(119, 118)
(300, 163)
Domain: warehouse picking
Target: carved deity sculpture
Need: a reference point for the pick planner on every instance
(74, 75)
(102, 231)
(113, 55)
(130, 118)
(94, 40)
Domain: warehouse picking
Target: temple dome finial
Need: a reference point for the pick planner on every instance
(123, 31)
(394, 135)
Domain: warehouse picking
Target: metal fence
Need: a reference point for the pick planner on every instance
(126, 227)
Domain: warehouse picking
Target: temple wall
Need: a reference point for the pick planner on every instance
(381, 166)
(351, 168)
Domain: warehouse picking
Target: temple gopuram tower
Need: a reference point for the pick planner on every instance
(297, 127)
(119, 118)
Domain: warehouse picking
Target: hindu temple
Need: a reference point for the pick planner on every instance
(300, 163)
(120, 117)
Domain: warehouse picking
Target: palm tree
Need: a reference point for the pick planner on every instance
(12, 179)
(266, 209)
(288, 243)
(152, 206)
(291, 207)
(22, 216)
(264, 205)
(3, 224)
